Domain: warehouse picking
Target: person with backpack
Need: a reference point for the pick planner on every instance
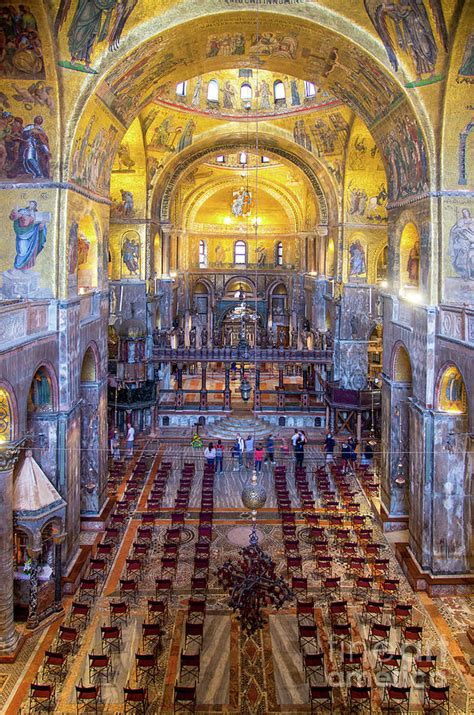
(219, 456)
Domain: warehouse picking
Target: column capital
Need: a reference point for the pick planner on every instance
(9, 453)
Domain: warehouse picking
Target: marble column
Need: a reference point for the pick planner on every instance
(34, 552)
(227, 392)
(257, 396)
(165, 249)
(58, 539)
(395, 445)
(8, 635)
(203, 393)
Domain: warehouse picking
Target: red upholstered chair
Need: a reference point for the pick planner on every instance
(436, 699)
(299, 586)
(352, 661)
(305, 612)
(338, 612)
(189, 666)
(157, 610)
(146, 667)
(397, 699)
(100, 665)
(424, 665)
(379, 635)
(151, 636)
(184, 698)
(196, 610)
(373, 611)
(79, 614)
(193, 633)
(42, 698)
(313, 664)
(402, 615)
(307, 636)
(320, 698)
(135, 700)
(87, 697)
(360, 699)
(54, 665)
(111, 637)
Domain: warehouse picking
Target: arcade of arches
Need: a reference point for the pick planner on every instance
(223, 217)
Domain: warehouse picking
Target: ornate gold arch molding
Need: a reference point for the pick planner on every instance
(171, 182)
(351, 64)
(289, 202)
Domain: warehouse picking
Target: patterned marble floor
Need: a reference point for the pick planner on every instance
(277, 684)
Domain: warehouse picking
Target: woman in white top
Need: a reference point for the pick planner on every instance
(210, 454)
(130, 439)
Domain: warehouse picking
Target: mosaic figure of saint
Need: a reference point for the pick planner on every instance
(30, 230)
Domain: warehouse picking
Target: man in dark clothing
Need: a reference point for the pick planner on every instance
(329, 444)
(299, 452)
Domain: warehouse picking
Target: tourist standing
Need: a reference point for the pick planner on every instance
(368, 454)
(130, 439)
(270, 447)
(219, 456)
(258, 457)
(249, 451)
(346, 456)
(116, 445)
(329, 444)
(238, 452)
(294, 438)
(299, 452)
(210, 455)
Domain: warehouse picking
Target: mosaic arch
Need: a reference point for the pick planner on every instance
(7, 422)
(89, 366)
(188, 215)
(344, 68)
(316, 177)
(42, 396)
(401, 365)
(451, 395)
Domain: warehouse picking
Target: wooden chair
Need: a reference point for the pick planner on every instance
(87, 697)
(360, 699)
(42, 698)
(99, 665)
(135, 700)
(184, 698)
(189, 665)
(338, 612)
(111, 637)
(146, 667)
(307, 636)
(436, 699)
(193, 633)
(299, 586)
(397, 699)
(157, 610)
(152, 634)
(320, 698)
(67, 640)
(352, 661)
(119, 612)
(379, 635)
(424, 665)
(305, 612)
(79, 614)
(196, 610)
(313, 664)
(54, 665)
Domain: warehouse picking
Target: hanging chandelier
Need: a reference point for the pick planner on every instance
(251, 581)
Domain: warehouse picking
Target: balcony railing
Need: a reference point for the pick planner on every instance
(228, 354)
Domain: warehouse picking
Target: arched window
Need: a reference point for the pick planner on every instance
(246, 92)
(279, 90)
(202, 254)
(279, 253)
(309, 90)
(213, 91)
(181, 89)
(240, 253)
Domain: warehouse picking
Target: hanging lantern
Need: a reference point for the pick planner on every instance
(245, 389)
